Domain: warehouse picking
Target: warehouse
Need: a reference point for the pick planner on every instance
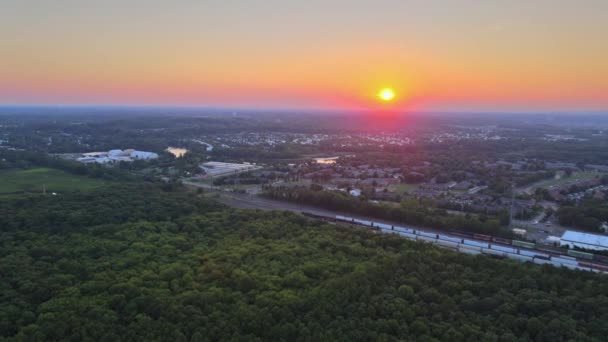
(216, 169)
(584, 240)
(115, 156)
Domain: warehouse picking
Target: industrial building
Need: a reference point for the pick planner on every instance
(216, 169)
(584, 240)
(114, 156)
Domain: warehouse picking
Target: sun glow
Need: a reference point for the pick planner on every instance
(386, 94)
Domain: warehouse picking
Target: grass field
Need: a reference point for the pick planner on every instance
(576, 177)
(402, 188)
(33, 180)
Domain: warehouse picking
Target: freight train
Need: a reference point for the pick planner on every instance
(472, 243)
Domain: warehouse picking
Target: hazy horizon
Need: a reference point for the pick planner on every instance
(490, 56)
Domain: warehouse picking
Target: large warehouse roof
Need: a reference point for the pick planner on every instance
(599, 241)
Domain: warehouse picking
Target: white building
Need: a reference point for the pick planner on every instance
(584, 240)
(115, 156)
(355, 192)
(519, 231)
(143, 155)
(116, 153)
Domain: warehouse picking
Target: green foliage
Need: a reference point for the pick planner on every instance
(139, 263)
(53, 180)
(588, 215)
(10, 159)
(409, 212)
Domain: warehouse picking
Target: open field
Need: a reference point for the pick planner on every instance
(33, 180)
(403, 188)
(576, 177)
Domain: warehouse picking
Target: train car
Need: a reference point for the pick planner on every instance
(520, 258)
(504, 248)
(460, 234)
(550, 251)
(383, 226)
(387, 231)
(541, 261)
(467, 250)
(475, 248)
(601, 258)
(501, 240)
(594, 266)
(523, 244)
(447, 244)
(482, 237)
(405, 230)
(563, 260)
(407, 235)
(345, 218)
(533, 254)
(449, 238)
(601, 268)
(426, 239)
(556, 263)
(576, 267)
(426, 234)
(364, 222)
(493, 252)
(475, 243)
(579, 254)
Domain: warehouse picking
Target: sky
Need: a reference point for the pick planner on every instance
(447, 55)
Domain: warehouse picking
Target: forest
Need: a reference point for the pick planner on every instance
(588, 215)
(139, 262)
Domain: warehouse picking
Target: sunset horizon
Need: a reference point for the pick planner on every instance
(459, 56)
(319, 170)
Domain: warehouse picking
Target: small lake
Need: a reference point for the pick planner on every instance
(177, 151)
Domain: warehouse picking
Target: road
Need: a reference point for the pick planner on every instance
(246, 201)
(536, 230)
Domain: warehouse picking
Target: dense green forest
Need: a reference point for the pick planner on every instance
(139, 263)
(587, 215)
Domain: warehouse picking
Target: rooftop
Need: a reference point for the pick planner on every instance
(586, 238)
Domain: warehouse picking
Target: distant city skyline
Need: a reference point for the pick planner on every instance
(495, 56)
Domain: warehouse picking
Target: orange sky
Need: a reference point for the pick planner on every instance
(437, 55)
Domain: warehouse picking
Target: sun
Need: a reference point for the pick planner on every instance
(386, 94)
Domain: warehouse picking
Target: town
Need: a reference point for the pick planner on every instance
(499, 189)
